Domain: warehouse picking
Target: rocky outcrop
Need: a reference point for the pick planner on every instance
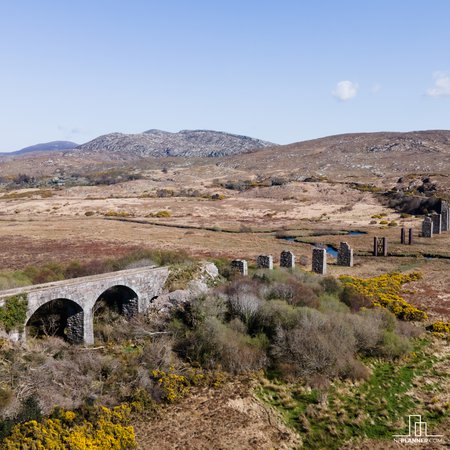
(185, 143)
(165, 303)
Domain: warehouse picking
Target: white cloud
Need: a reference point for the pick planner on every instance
(345, 90)
(441, 86)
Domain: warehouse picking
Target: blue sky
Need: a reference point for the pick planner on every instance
(283, 71)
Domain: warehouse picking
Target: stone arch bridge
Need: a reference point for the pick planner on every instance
(133, 290)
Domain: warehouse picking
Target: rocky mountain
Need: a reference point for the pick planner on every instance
(186, 143)
(46, 147)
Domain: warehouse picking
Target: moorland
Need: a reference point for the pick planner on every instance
(94, 204)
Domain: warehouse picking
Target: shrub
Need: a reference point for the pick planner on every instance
(218, 197)
(161, 214)
(214, 345)
(277, 314)
(13, 312)
(245, 305)
(108, 428)
(295, 293)
(394, 346)
(316, 345)
(354, 299)
(89, 213)
(164, 193)
(331, 285)
(384, 291)
(176, 384)
(29, 410)
(439, 327)
(6, 395)
(112, 213)
(180, 275)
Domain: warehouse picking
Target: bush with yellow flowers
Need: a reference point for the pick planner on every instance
(176, 385)
(107, 429)
(385, 291)
(439, 327)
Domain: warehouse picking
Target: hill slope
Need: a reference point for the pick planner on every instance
(46, 147)
(187, 143)
(351, 155)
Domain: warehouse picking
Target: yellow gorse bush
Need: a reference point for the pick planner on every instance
(385, 291)
(176, 386)
(439, 327)
(68, 431)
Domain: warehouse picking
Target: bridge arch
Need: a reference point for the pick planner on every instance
(60, 317)
(120, 299)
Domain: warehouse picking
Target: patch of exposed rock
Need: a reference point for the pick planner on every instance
(185, 143)
(167, 302)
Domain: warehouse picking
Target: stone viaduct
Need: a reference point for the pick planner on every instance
(134, 290)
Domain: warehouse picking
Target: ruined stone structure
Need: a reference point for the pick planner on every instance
(445, 213)
(265, 262)
(427, 227)
(135, 289)
(241, 266)
(287, 259)
(345, 255)
(437, 223)
(319, 260)
(380, 246)
(406, 238)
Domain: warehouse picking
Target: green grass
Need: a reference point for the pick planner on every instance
(374, 409)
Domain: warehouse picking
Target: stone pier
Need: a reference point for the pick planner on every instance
(427, 227)
(445, 213)
(264, 262)
(319, 260)
(406, 238)
(437, 223)
(345, 255)
(380, 246)
(241, 266)
(287, 259)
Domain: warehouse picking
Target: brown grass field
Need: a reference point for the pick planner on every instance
(106, 221)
